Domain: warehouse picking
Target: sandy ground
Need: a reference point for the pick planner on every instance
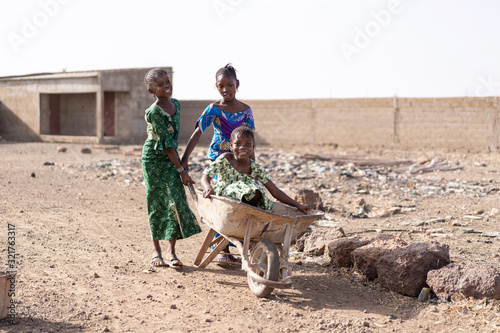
(83, 248)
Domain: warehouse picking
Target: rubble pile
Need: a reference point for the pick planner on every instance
(120, 170)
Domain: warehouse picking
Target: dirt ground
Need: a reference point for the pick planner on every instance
(83, 247)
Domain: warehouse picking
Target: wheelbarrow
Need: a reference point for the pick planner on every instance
(262, 237)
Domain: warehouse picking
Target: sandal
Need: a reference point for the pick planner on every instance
(157, 261)
(225, 260)
(175, 263)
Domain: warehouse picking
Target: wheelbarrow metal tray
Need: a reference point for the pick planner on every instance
(229, 217)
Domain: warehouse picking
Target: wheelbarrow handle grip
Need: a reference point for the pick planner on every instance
(192, 191)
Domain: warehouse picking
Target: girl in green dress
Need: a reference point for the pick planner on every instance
(170, 217)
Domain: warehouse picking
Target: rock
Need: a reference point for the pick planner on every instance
(366, 257)
(86, 151)
(317, 240)
(405, 269)
(33, 175)
(340, 250)
(300, 240)
(309, 197)
(423, 160)
(61, 149)
(471, 280)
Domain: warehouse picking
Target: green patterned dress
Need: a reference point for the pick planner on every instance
(233, 184)
(168, 211)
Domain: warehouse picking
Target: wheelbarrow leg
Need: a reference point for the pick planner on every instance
(204, 247)
(285, 251)
(221, 245)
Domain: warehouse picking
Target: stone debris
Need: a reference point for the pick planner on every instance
(327, 177)
(123, 171)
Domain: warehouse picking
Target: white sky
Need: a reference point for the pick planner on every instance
(282, 49)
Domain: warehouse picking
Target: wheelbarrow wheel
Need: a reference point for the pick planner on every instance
(265, 262)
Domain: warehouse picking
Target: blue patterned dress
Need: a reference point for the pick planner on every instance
(224, 123)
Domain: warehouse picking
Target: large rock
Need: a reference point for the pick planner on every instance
(315, 242)
(340, 250)
(472, 280)
(405, 269)
(366, 257)
(299, 241)
(309, 197)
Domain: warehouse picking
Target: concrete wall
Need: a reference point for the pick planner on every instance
(462, 124)
(190, 112)
(77, 114)
(132, 99)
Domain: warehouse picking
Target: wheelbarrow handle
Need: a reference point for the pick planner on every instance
(193, 192)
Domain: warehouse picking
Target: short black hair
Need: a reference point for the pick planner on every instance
(226, 70)
(152, 75)
(243, 131)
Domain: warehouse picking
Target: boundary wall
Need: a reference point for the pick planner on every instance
(468, 124)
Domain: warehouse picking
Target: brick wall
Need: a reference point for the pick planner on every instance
(463, 124)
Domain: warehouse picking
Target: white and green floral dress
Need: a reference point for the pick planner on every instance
(228, 182)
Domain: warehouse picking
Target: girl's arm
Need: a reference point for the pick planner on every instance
(208, 190)
(173, 157)
(193, 141)
(281, 196)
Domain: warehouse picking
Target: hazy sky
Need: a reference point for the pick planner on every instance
(281, 49)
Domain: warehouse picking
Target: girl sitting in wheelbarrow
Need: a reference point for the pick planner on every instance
(238, 176)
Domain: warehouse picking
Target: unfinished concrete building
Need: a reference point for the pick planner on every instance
(104, 106)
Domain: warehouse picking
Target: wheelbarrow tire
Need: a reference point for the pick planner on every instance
(265, 255)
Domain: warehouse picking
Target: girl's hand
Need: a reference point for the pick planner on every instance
(186, 178)
(303, 208)
(208, 192)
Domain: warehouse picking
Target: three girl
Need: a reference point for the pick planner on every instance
(170, 217)
(232, 152)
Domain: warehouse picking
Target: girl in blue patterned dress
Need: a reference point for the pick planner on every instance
(239, 177)
(225, 115)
